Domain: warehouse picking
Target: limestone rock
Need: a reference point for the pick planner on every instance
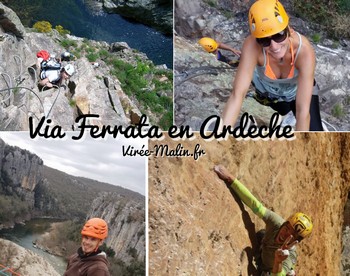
(25, 261)
(126, 220)
(10, 23)
(157, 13)
(198, 227)
(21, 168)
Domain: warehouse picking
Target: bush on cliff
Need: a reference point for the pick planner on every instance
(43, 26)
(333, 15)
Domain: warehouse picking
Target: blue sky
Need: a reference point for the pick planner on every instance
(101, 160)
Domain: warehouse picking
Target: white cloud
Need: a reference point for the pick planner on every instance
(101, 160)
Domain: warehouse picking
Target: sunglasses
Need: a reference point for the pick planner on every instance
(278, 38)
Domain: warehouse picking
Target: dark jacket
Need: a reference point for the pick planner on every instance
(95, 264)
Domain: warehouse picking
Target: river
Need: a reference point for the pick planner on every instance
(74, 16)
(24, 235)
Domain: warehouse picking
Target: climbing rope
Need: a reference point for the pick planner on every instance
(8, 84)
(19, 63)
(6, 271)
(58, 93)
(26, 88)
(328, 125)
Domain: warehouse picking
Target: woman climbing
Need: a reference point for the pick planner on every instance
(280, 63)
(278, 247)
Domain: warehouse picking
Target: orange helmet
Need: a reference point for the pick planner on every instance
(266, 18)
(96, 228)
(301, 224)
(209, 44)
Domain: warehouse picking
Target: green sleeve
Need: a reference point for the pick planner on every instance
(246, 196)
(279, 274)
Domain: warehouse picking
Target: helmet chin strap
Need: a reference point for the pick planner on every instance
(98, 245)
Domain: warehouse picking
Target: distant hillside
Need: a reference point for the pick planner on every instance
(64, 195)
(37, 190)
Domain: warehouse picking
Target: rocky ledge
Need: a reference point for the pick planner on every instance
(37, 265)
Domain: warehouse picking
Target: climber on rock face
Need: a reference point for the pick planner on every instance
(280, 63)
(90, 260)
(50, 78)
(278, 247)
(50, 70)
(212, 46)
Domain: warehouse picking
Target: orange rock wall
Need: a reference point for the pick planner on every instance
(198, 227)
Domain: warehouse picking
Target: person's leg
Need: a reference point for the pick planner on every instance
(282, 107)
(38, 66)
(315, 116)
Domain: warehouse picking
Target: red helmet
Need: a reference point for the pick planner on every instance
(96, 228)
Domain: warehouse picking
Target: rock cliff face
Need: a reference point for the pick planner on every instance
(24, 261)
(198, 227)
(156, 13)
(91, 90)
(20, 171)
(214, 85)
(126, 220)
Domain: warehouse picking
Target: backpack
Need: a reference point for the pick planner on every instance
(48, 63)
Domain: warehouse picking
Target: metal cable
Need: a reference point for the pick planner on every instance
(20, 65)
(58, 93)
(191, 73)
(9, 84)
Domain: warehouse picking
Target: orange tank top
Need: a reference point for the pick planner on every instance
(268, 70)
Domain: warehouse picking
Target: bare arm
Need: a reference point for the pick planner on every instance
(229, 48)
(45, 82)
(306, 66)
(249, 59)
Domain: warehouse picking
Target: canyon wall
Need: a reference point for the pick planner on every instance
(20, 172)
(126, 221)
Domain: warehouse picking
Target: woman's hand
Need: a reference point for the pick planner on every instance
(224, 174)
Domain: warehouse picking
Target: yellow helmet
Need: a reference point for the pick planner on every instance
(208, 44)
(266, 18)
(301, 223)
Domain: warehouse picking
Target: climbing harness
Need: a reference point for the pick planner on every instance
(289, 118)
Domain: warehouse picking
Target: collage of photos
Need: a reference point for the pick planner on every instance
(172, 137)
